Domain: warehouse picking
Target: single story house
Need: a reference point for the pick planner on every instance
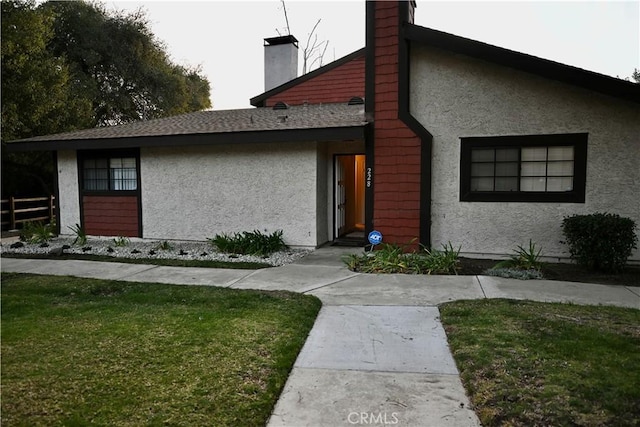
(422, 135)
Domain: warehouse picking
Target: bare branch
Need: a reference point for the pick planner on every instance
(286, 18)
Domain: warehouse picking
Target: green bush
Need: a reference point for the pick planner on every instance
(600, 241)
(164, 246)
(391, 258)
(523, 259)
(81, 235)
(37, 232)
(121, 241)
(249, 243)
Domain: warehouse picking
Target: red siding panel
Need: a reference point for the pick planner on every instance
(111, 215)
(335, 86)
(397, 148)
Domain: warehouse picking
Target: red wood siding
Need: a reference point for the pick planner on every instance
(111, 215)
(334, 86)
(396, 148)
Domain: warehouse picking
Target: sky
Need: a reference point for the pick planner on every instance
(225, 38)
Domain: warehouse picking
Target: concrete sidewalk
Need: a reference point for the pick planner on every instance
(377, 353)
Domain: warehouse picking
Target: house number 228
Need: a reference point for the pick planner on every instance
(369, 176)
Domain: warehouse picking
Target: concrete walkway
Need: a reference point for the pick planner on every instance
(377, 354)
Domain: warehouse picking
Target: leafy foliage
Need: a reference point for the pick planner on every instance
(600, 241)
(249, 243)
(524, 259)
(392, 258)
(121, 241)
(120, 67)
(73, 65)
(37, 232)
(36, 96)
(164, 246)
(81, 235)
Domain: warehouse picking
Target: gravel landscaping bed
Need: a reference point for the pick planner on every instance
(145, 248)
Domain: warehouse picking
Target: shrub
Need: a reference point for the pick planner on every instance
(523, 259)
(600, 241)
(391, 258)
(37, 232)
(81, 235)
(121, 241)
(162, 246)
(249, 243)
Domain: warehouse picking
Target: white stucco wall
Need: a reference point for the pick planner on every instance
(69, 201)
(195, 192)
(455, 96)
(322, 188)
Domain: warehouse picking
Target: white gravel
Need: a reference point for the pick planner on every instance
(144, 248)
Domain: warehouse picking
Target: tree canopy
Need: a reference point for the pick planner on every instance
(120, 67)
(74, 65)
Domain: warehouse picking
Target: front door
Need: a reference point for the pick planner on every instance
(349, 182)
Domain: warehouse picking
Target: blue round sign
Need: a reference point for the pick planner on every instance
(375, 237)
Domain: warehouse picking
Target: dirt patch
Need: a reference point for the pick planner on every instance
(630, 276)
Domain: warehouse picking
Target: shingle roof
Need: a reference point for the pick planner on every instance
(229, 123)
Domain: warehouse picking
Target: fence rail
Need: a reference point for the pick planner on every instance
(18, 211)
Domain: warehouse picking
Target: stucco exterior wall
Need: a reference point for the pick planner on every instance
(322, 220)
(193, 193)
(69, 201)
(455, 96)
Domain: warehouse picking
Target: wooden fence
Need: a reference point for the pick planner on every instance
(18, 211)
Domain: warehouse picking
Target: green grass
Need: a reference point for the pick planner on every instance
(528, 364)
(151, 261)
(86, 351)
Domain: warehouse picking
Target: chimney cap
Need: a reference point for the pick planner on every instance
(272, 41)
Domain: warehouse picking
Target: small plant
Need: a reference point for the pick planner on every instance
(523, 259)
(110, 250)
(16, 245)
(249, 243)
(600, 241)
(81, 235)
(163, 246)
(37, 232)
(152, 252)
(392, 258)
(444, 261)
(121, 241)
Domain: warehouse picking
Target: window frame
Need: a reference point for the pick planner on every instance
(577, 140)
(108, 155)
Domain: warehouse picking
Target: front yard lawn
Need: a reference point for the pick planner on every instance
(87, 351)
(539, 364)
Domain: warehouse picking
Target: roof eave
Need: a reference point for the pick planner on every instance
(342, 133)
(543, 67)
